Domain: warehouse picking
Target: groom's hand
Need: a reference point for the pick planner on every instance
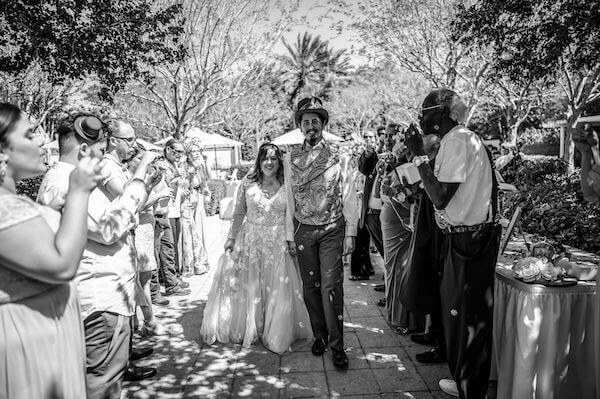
(348, 245)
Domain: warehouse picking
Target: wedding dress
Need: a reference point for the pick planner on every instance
(257, 290)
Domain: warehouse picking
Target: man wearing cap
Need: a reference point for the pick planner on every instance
(106, 274)
(323, 203)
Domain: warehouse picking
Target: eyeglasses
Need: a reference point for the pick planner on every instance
(128, 140)
(429, 108)
(178, 152)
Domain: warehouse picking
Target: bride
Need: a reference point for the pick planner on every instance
(257, 291)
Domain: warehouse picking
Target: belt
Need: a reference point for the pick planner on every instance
(465, 229)
(373, 211)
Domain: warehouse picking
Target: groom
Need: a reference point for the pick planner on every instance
(325, 217)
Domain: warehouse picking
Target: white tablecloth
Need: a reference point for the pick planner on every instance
(544, 339)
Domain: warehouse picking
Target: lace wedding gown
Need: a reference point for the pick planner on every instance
(257, 290)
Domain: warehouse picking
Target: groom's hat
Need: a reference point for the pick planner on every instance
(311, 104)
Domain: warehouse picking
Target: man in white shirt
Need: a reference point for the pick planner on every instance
(106, 275)
(463, 190)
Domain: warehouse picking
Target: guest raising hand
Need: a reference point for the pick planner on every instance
(42, 350)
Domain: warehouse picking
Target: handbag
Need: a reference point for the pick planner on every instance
(226, 206)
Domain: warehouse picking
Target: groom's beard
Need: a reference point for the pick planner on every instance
(313, 137)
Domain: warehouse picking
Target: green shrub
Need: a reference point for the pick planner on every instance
(552, 203)
(30, 186)
(539, 141)
(217, 189)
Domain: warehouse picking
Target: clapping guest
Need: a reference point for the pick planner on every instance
(463, 189)
(586, 141)
(42, 349)
(360, 259)
(396, 227)
(144, 245)
(371, 204)
(195, 187)
(106, 278)
(167, 215)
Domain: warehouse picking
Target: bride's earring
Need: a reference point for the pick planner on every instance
(436, 127)
(3, 159)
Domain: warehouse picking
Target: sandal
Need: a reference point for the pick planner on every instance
(358, 278)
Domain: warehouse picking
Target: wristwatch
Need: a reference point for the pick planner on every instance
(420, 159)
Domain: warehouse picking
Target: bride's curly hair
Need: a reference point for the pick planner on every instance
(256, 174)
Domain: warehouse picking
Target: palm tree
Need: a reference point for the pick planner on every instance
(312, 66)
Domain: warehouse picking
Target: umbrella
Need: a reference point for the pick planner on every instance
(296, 137)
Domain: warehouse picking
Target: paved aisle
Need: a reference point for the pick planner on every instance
(382, 364)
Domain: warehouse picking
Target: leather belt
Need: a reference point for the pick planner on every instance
(373, 211)
(465, 229)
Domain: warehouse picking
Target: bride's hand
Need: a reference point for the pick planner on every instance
(229, 244)
(291, 248)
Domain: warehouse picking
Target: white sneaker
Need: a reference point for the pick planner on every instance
(449, 387)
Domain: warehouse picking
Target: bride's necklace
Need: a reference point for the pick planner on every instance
(270, 190)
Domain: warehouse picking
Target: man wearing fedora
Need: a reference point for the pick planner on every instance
(322, 200)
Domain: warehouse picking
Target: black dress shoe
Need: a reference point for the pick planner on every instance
(379, 288)
(135, 373)
(381, 302)
(319, 347)
(340, 360)
(137, 354)
(423, 339)
(432, 356)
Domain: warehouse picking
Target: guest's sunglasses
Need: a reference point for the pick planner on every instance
(428, 109)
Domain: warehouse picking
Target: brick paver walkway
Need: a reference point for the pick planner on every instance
(382, 363)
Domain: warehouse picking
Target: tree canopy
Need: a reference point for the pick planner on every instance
(73, 38)
(531, 39)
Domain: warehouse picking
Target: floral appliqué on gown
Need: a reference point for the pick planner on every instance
(257, 290)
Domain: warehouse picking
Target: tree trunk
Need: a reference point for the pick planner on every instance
(569, 150)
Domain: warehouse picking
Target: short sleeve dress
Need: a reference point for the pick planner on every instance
(42, 347)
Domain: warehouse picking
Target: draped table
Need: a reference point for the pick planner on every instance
(544, 338)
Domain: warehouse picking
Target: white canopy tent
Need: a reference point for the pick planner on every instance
(296, 137)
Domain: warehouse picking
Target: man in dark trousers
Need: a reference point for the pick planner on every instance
(323, 203)
(463, 190)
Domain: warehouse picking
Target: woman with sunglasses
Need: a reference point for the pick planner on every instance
(42, 349)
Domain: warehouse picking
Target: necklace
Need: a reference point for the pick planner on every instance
(270, 190)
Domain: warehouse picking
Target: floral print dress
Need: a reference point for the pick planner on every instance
(257, 290)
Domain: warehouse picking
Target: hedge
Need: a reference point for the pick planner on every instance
(552, 203)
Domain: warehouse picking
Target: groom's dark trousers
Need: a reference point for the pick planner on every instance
(319, 250)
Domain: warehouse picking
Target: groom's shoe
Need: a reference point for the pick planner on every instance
(340, 360)
(319, 347)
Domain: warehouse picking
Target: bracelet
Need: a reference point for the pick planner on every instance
(420, 159)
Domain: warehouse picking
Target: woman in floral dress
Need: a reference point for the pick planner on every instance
(195, 187)
(257, 291)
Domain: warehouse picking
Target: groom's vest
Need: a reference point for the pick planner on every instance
(316, 178)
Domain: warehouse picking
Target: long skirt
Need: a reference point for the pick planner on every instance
(396, 248)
